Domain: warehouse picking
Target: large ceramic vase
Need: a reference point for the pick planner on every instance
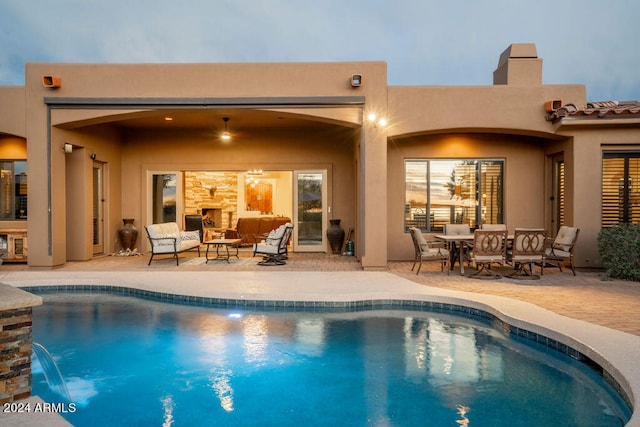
(335, 234)
(128, 234)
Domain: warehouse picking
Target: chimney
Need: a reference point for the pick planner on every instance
(519, 65)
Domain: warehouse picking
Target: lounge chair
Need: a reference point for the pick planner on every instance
(528, 249)
(274, 248)
(561, 249)
(427, 251)
(489, 247)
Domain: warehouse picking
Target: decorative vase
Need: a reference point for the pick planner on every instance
(335, 234)
(128, 234)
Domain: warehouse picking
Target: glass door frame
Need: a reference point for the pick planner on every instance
(179, 191)
(323, 247)
(98, 208)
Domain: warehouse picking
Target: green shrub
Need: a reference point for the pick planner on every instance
(619, 249)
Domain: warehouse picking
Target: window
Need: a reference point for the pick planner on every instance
(13, 189)
(620, 188)
(439, 192)
(164, 200)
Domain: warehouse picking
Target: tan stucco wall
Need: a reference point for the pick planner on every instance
(180, 81)
(104, 141)
(365, 162)
(502, 109)
(585, 185)
(523, 181)
(12, 106)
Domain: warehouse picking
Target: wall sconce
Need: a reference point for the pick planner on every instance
(553, 105)
(356, 80)
(52, 82)
(93, 156)
(67, 148)
(378, 122)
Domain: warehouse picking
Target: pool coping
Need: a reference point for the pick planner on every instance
(615, 352)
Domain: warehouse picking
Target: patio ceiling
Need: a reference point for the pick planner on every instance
(243, 120)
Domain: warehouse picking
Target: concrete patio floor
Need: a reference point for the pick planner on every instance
(614, 303)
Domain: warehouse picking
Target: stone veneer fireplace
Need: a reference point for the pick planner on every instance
(212, 217)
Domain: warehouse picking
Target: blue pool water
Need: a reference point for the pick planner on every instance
(129, 361)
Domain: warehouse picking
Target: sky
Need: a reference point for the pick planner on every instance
(423, 42)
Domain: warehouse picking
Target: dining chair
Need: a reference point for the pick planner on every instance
(427, 251)
(528, 249)
(493, 227)
(489, 247)
(561, 249)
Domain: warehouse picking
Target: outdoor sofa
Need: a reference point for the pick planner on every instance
(167, 239)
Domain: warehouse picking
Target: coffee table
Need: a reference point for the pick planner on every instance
(224, 244)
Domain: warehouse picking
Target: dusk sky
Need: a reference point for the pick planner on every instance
(424, 42)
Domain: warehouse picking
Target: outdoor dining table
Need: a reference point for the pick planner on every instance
(461, 240)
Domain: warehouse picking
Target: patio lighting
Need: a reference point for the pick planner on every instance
(376, 120)
(226, 136)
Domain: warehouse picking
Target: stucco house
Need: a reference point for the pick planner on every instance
(83, 146)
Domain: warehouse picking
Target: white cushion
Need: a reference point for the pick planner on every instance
(565, 238)
(457, 229)
(556, 253)
(189, 235)
(433, 253)
(171, 239)
(166, 229)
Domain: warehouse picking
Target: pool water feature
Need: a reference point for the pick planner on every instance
(132, 361)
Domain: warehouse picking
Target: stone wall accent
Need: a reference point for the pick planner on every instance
(15, 354)
(212, 190)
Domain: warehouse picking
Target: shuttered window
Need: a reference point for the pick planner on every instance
(561, 193)
(620, 188)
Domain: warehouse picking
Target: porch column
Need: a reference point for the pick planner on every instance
(373, 196)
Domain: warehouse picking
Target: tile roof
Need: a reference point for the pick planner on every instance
(598, 110)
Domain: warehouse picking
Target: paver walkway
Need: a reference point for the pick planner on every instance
(614, 304)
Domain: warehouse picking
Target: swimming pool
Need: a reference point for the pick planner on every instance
(131, 361)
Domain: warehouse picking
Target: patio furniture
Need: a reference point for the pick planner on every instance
(219, 244)
(493, 227)
(427, 251)
(528, 248)
(457, 248)
(251, 230)
(193, 223)
(167, 239)
(274, 248)
(489, 247)
(561, 249)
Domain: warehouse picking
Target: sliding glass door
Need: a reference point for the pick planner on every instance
(310, 211)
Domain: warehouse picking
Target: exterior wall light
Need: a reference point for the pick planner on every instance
(377, 121)
(52, 82)
(67, 148)
(226, 136)
(356, 80)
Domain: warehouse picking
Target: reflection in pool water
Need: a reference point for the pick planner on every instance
(130, 361)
